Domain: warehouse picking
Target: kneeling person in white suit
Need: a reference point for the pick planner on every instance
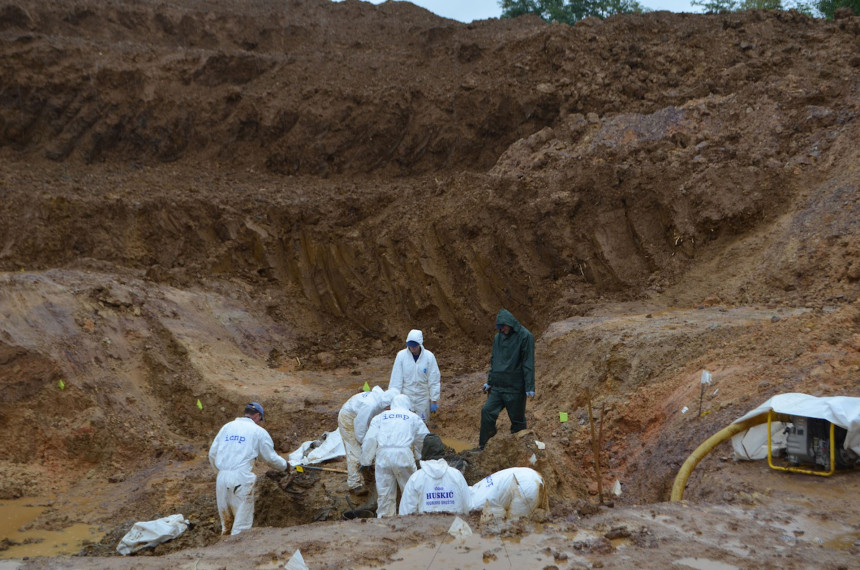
(394, 439)
(510, 493)
(435, 488)
(232, 455)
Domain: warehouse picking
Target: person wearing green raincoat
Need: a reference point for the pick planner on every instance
(511, 378)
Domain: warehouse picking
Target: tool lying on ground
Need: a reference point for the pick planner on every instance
(301, 468)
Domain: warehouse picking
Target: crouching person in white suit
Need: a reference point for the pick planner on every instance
(353, 422)
(435, 488)
(394, 440)
(509, 494)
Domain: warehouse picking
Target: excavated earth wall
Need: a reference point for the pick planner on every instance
(210, 201)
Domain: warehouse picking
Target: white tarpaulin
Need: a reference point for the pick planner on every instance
(843, 411)
(752, 443)
(331, 447)
(150, 533)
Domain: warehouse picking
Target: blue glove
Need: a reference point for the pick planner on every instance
(486, 387)
(433, 407)
(530, 394)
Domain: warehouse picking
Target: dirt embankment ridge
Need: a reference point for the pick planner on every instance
(559, 163)
(206, 200)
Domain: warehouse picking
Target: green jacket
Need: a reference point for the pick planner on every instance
(512, 363)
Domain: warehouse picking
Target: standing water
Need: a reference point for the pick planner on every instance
(16, 516)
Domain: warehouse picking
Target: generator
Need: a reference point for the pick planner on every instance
(813, 441)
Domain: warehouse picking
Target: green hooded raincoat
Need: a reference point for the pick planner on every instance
(512, 363)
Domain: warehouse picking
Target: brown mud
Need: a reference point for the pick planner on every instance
(209, 201)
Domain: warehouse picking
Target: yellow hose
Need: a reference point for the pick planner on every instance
(705, 448)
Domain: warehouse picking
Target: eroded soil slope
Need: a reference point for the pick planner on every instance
(211, 201)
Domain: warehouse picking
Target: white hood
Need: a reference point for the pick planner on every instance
(434, 468)
(416, 336)
(401, 402)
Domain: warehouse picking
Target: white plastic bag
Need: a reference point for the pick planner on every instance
(331, 448)
(150, 533)
(297, 562)
(459, 528)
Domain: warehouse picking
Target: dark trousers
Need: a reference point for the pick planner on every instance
(496, 401)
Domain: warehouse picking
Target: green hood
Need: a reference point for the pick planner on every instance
(506, 318)
(512, 363)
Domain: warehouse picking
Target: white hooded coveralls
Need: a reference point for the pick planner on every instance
(418, 379)
(352, 423)
(435, 488)
(232, 455)
(395, 438)
(510, 493)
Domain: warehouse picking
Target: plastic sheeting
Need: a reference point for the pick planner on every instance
(843, 411)
(459, 528)
(296, 562)
(151, 533)
(752, 444)
(331, 447)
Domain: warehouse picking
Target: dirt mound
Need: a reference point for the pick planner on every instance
(203, 202)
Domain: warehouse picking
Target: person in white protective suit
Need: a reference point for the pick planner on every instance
(394, 439)
(510, 493)
(435, 488)
(232, 455)
(352, 423)
(416, 374)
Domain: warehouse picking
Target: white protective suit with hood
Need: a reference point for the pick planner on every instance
(352, 423)
(418, 379)
(510, 493)
(232, 455)
(394, 439)
(435, 488)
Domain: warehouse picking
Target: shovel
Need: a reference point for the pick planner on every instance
(301, 468)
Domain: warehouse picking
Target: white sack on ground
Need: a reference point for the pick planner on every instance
(510, 493)
(330, 448)
(150, 533)
(843, 411)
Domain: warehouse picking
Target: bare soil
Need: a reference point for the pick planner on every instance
(215, 202)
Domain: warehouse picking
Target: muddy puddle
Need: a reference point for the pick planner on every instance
(471, 552)
(546, 547)
(830, 534)
(16, 516)
(458, 445)
(703, 564)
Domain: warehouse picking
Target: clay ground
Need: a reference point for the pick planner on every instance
(201, 201)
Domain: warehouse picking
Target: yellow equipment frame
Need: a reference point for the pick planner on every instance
(801, 469)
